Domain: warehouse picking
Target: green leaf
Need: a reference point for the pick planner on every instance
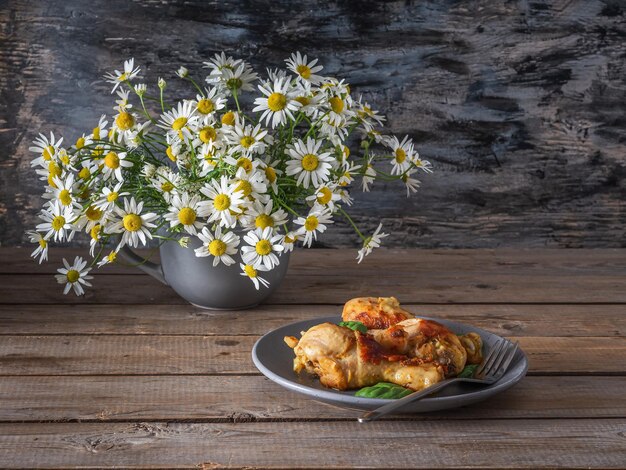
(468, 371)
(384, 390)
(354, 325)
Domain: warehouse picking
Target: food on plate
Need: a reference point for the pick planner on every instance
(375, 312)
(381, 342)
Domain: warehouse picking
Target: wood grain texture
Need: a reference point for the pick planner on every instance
(536, 443)
(518, 104)
(505, 320)
(183, 355)
(411, 275)
(255, 398)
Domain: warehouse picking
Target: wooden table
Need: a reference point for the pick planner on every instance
(131, 376)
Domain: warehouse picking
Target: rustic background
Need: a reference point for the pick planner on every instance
(518, 104)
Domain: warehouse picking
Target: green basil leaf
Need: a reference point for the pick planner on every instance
(384, 390)
(468, 371)
(354, 325)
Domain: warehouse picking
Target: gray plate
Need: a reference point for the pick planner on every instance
(275, 360)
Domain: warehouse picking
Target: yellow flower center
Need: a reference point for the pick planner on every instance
(47, 153)
(132, 222)
(112, 196)
(311, 223)
(65, 158)
(93, 213)
(263, 247)
(65, 197)
(58, 222)
(187, 216)
(290, 240)
(123, 77)
(245, 163)
(310, 162)
(221, 202)
(43, 243)
(303, 100)
(263, 221)
(250, 271)
(112, 160)
(247, 141)
(111, 257)
(270, 174)
(170, 153)
(95, 231)
(205, 106)
(72, 275)
(54, 169)
(217, 247)
(245, 187)
(346, 151)
(124, 121)
(96, 133)
(276, 101)
(325, 197)
(167, 187)
(84, 173)
(336, 104)
(207, 134)
(80, 143)
(97, 152)
(228, 119)
(304, 71)
(400, 155)
(179, 123)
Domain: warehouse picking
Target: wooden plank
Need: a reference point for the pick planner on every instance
(176, 355)
(534, 443)
(254, 398)
(490, 92)
(507, 320)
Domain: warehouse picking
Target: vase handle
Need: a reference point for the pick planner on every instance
(153, 269)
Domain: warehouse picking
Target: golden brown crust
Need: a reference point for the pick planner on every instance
(375, 312)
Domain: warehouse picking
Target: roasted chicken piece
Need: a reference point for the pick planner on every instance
(424, 339)
(473, 344)
(345, 359)
(375, 312)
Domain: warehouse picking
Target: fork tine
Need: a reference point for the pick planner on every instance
(507, 360)
(489, 371)
(497, 358)
(490, 357)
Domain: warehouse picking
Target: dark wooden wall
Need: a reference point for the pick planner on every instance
(519, 104)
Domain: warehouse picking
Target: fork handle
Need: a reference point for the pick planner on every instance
(395, 404)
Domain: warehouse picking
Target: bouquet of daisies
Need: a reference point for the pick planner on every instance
(245, 164)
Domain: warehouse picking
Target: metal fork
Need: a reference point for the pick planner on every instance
(493, 367)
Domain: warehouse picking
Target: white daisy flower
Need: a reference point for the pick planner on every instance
(140, 89)
(251, 184)
(271, 173)
(183, 211)
(108, 259)
(208, 133)
(239, 79)
(179, 120)
(371, 242)
(224, 202)
(411, 184)
(248, 140)
(263, 248)
(74, 276)
(107, 201)
(311, 165)
(313, 224)
(310, 100)
(63, 191)
(166, 181)
(208, 156)
(114, 163)
(345, 196)
(117, 77)
(278, 104)
(230, 119)
(211, 101)
(261, 215)
(305, 70)
(347, 177)
(133, 225)
(95, 235)
(57, 221)
(325, 196)
(91, 217)
(275, 74)
(252, 273)
(423, 165)
(368, 116)
(289, 240)
(123, 104)
(100, 130)
(402, 154)
(219, 245)
(127, 129)
(218, 64)
(42, 248)
(46, 149)
(369, 175)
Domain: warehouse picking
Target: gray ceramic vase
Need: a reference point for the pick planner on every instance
(200, 283)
